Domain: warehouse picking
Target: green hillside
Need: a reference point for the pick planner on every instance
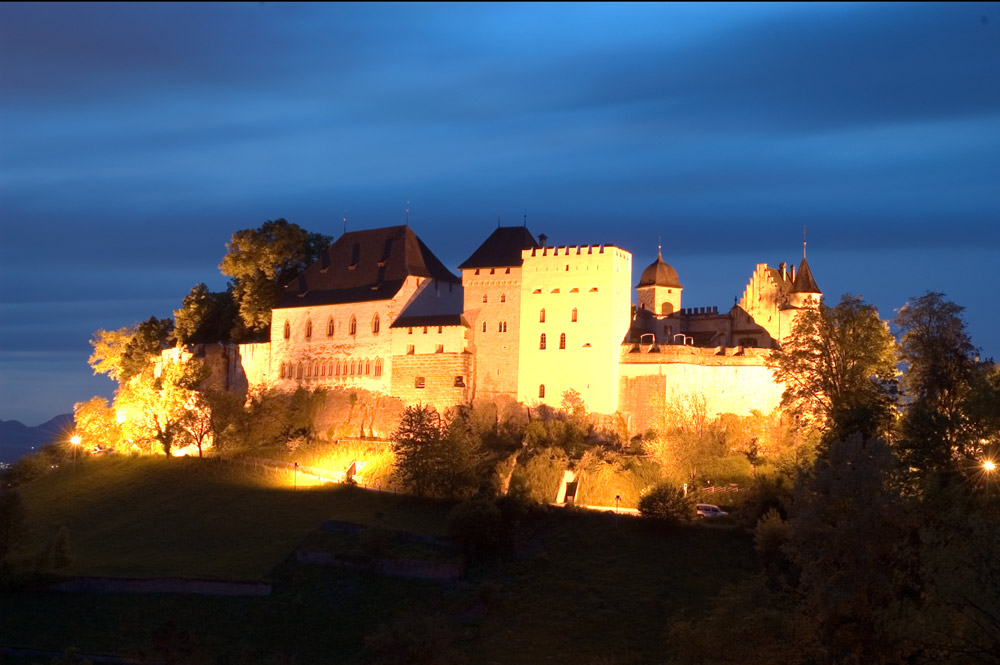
(584, 588)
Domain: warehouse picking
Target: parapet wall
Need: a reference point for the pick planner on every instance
(690, 380)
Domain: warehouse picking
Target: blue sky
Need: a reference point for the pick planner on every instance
(136, 138)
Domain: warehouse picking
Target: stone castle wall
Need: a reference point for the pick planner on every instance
(432, 379)
(688, 381)
(493, 309)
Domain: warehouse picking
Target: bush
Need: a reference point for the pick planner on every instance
(666, 503)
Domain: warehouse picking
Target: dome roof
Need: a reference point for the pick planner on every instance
(659, 273)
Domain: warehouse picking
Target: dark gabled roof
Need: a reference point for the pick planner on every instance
(502, 249)
(804, 282)
(365, 265)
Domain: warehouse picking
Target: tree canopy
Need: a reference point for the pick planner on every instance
(839, 369)
(124, 353)
(205, 317)
(260, 262)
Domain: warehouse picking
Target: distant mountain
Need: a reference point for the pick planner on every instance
(17, 439)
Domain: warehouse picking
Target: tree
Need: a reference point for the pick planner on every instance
(205, 317)
(839, 370)
(853, 542)
(260, 262)
(941, 367)
(126, 352)
(96, 424)
(156, 409)
(430, 460)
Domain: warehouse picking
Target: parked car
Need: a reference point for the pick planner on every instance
(708, 510)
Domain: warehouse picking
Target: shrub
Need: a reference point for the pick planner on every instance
(666, 503)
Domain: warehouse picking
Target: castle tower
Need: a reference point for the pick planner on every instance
(491, 278)
(575, 311)
(659, 289)
(804, 291)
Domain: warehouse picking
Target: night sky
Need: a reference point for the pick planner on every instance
(135, 139)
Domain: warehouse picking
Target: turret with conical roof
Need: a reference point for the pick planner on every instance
(804, 291)
(659, 289)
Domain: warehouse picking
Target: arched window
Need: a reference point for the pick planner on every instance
(541, 391)
(354, 367)
(309, 329)
(541, 341)
(336, 368)
(288, 330)
(375, 325)
(282, 370)
(329, 327)
(352, 327)
(572, 316)
(541, 315)
(503, 297)
(378, 367)
(562, 341)
(484, 326)
(484, 298)
(298, 371)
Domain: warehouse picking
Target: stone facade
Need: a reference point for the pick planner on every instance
(525, 322)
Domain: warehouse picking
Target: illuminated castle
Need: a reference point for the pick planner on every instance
(378, 311)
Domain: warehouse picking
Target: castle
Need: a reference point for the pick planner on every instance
(525, 321)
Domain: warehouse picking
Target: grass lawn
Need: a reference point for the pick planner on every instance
(588, 588)
(155, 517)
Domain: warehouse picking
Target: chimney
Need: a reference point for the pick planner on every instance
(542, 239)
(783, 268)
(792, 274)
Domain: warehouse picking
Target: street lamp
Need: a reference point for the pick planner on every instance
(75, 440)
(989, 466)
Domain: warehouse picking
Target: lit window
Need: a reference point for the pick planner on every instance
(562, 341)
(329, 327)
(352, 327)
(288, 330)
(418, 382)
(309, 329)
(376, 324)
(541, 391)
(378, 367)
(541, 341)
(541, 315)
(572, 316)
(368, 367)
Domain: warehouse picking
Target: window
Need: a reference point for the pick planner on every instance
(440, 329)
(536, 291)
(282, 370)
(493, 271)
(418, 382)
(562, 341)
(484, 326)
(554, 291)
(288, 330)
(409, 331)
(541, 315)
(541, 391)
(352, 327)
(425, 330)
(298, 371)
(459, 381)
(378, 367)
(477, 271)
(376, 324)
(503, 297)
(439, 348)
(507, 271)
(329, 327)
(484, 297)
(309, 329)
(368, 367)
(541, 341)
(336, 368)
(409, 349)
(572, 316)
(502, 327)
(593, 289)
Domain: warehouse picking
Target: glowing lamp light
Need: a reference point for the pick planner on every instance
(75, 440)
(989, 466)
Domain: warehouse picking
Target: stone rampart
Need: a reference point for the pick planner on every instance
(437, 379)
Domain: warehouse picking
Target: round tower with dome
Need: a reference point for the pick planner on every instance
(659, 289)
